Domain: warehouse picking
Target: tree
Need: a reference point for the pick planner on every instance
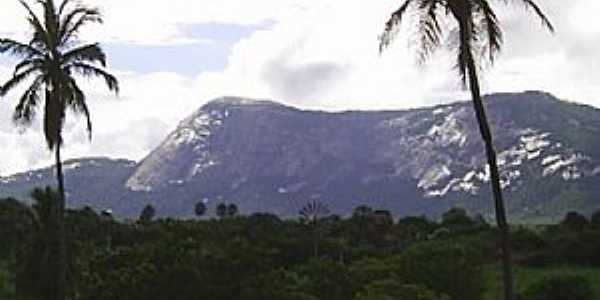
(311, 214)
(574, 221)
(389, 289)
(560, 287)
(222, 210)
(35, 258)
(226, 210)
(200, 209)
(16, 222)
(147, 214)
(53, 57)
(232, 210)
(362, 211)
(447, 267)
(16, 228)
(456, 217)
(595, 219)
(479, 39)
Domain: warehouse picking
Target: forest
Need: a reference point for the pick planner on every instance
(318, 255)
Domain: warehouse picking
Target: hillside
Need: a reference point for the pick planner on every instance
(265, 156)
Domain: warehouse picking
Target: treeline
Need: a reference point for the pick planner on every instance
(366, 256)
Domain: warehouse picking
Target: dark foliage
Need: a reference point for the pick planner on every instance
(559, 288)
(366, 256)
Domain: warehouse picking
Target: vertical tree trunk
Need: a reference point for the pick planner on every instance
(495, 178)
(61, 271)
(316, 239)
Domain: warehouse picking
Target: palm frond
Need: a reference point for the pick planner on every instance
(16, 48)
(29, 63)
(72, 22)
(40, 34)
(493, 31)
(465, 49)
(90, 53)
(25, 110)
(429, 29)
(313, 211)
(530, 4)
(17, 79)
(86, 70)
(77, 101)
(385, 39)
(63, 6)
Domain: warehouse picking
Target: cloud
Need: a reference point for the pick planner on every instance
(336, 65)
(287, 79)
(158, 22)
(130, 126)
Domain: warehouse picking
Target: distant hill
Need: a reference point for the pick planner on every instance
(96, 182)
(265, 156)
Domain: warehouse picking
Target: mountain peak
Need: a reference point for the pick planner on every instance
(241, 101)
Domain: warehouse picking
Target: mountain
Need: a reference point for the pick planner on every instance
(266, 156)
(96, 182)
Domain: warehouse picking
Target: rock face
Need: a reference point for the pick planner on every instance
(265, 156)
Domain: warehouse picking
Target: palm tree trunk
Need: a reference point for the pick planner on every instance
(61, 271)
(495, 177)
(316, 240)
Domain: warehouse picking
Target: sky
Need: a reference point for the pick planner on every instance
(173, 56)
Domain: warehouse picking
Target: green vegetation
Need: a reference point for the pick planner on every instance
(527, 278)
(368, 255)
(7, 284)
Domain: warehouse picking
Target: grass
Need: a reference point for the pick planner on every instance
(526, 276)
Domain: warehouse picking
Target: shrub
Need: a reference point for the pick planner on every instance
(559, 288)
(390, 289)
(447, 267)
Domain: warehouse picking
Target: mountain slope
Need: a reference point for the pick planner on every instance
(96, 182)
(265, 156)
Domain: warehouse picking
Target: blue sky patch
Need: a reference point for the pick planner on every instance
(186, 59)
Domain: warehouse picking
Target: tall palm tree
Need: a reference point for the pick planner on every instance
(476, 32)
(311, 214)
(50, 63)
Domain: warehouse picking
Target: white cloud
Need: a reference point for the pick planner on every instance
(339, 40)
(130, 126)
(158, 22)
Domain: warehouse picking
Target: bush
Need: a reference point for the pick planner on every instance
(448, 267)
(390, 289)
(574, 221)
(559, 288)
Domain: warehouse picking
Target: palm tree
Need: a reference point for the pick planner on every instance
(311, 215)
(479, 38)
(222, 211)
(147, 214)
(52, 59)
(200, 209)
(232, 210)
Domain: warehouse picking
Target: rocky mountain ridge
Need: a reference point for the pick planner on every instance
(266, 156)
